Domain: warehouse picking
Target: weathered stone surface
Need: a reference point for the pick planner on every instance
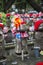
(39, 38)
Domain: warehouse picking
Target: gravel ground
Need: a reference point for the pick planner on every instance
(30, 60)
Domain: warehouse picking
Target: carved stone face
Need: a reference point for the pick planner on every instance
(41, 26)
(39, 35)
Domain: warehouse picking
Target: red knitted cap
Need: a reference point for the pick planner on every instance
(37, 24)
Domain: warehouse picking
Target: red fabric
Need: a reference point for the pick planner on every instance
(37, 24)
(39, 63)
(8, 14)
(37, 15)
(23, 22)
(1, 25)
(30, 14)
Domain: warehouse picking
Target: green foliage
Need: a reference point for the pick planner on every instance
(3, 18)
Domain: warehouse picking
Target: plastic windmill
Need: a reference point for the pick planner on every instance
(18, 22)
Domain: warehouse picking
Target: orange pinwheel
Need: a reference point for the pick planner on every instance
(17, 22)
